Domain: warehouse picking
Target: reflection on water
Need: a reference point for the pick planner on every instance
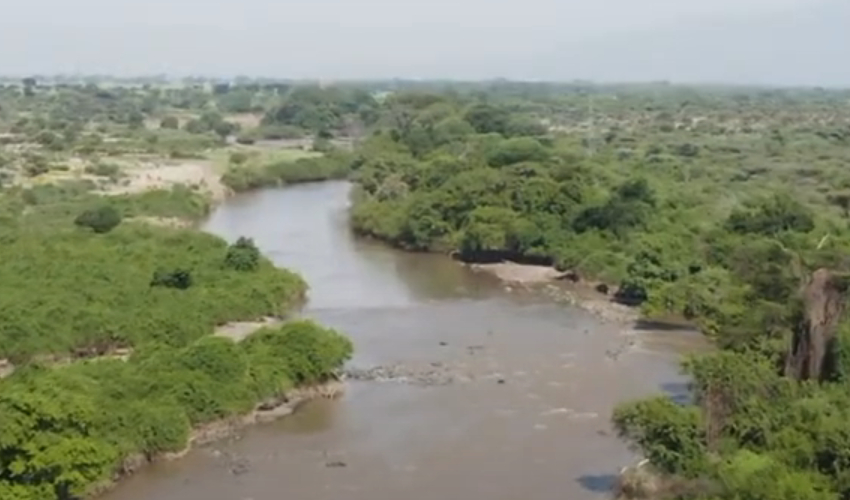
(529, 420)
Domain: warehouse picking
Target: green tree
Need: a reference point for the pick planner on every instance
(242, 255)
(100, 220)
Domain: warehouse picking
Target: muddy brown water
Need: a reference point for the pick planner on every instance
(528, 417)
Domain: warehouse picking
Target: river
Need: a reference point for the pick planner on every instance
(528, 416)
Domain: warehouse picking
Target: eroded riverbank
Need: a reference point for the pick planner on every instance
(530, 382)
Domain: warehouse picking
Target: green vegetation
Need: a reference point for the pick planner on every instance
(67, 431)
(100, 220)
(56, 205)
(241, 177)
(725, 206)
(728, 206)
(108, 321)
(132, 308)
(88, 293)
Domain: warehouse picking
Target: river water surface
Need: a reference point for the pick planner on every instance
(527, 417)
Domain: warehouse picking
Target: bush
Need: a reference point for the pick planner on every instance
(36, 167)
(169, 122)
(94, 415)
(103, 169)
(180, 279)
(243, 255)
(100, 220)
(105, 291)
(238, 157)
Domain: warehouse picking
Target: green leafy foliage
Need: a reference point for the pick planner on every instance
(180, 279)
(241, 177)
(68, 429)
(243, 255)
(100, 220)
(70, 291)
(691, 216)
(711, 203)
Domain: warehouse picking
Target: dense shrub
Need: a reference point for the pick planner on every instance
(242, 255)
(697, 217)
(76, 290)
(67, 429)
(241, 177)
(100, 220)
(180, 279)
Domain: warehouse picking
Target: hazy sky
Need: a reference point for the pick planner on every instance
(778, 41)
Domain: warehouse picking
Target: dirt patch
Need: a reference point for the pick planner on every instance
(245, 120)
(148, 176)
(562, 286)
(519, 274)
(6, 368)
(595, 297)
(238, 330)
(173, 222)
(135, 175)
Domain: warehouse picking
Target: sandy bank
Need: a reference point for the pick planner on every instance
(562, 287)
(635, 332)
(238, 330)
(147, 176)
(519, 274)
(172, 222)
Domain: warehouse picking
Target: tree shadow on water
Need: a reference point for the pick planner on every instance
(598, 483)
(665, 326)
(679, 392)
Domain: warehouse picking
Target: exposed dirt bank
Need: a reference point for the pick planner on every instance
(238, 330)
(562, 287)
(172, 222)
(146, 176)
(635, 332)
(519, 274)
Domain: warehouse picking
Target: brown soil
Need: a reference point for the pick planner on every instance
(6, 368)
(238, 330)
(153, 175)
(173, 222)
(519, 274)
(563, 287)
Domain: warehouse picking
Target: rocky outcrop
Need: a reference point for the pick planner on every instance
(823, 299)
